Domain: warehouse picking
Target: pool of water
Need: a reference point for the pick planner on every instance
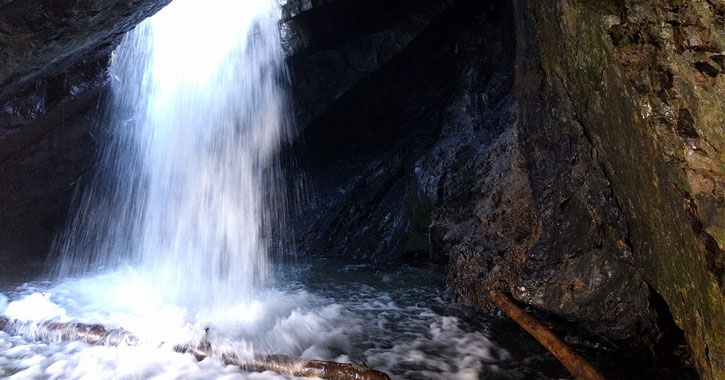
(391, 318)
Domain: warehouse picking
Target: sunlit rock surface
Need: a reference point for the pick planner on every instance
(645, 83)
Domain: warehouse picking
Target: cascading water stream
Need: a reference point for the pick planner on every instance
(185, 182)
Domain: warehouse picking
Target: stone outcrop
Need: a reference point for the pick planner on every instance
(644, 82)
(53, 60)
(333, 45)
(544, 199)
(42, 38)
(447, 155)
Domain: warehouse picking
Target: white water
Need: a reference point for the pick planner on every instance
(185, 189)
(391, 320)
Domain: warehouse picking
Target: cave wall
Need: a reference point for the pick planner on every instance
(448, 155)
(53, 61)
(645, 83)
(582, 173)
(357, 150)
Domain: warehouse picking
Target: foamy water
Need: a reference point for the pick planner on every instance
(391, 320)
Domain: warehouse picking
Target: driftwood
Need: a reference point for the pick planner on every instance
(101, 336)
(97, 335)
(573, 362)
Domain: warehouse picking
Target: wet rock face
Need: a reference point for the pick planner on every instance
(53, 60)
(41, 38)
(46, 145)
(334, 45)
(680, 88)
(581, 260)
(645, 83)
(362, 126)
(437, 157)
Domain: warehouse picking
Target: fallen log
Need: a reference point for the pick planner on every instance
(290, 366)
(577, 366)
(99, 335)
(96, 335)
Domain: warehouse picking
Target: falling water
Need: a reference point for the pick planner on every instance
(185, 181)
(169, 238)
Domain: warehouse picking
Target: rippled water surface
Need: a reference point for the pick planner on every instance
(393, 320)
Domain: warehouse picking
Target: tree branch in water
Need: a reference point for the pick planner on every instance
(573, 362)
(101, 336)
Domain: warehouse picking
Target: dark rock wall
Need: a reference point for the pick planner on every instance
(53, 61)
(358, 154)
(335, 44)
(46, 144)
(447, 155)
(581, 260)
(643, 82)
(42, 38)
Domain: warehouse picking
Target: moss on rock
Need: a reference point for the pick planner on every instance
(645, 84)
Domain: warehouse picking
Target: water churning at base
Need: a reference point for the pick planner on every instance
(186, 184)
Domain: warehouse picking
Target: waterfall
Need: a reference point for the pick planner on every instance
(185, 185)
